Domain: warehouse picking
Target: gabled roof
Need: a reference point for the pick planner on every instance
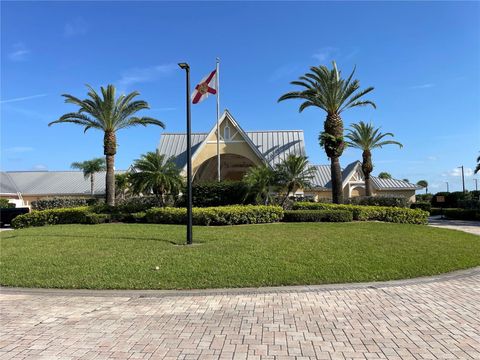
(50, 183)
(393, 184)
(271, 146)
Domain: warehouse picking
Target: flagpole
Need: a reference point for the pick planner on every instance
(217, 80)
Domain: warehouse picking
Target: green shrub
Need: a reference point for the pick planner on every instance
(318, 215)
(380, 201)
(136, 204)
(52, 217)
(458, 199)
(91, 218)
(424, 197)
(221, 215)
(371, 213)
(425, 206)
(462, 214)
(61, 203)
(215, 193)
(4, 204)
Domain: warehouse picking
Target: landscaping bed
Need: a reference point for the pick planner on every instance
(125, 256)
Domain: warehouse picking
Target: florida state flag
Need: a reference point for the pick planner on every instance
(206, 86)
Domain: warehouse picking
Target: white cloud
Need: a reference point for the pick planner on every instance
(19, 149)
(19, 52)
(289, 70)
(75, 27)
(325, 54)
(147, 74)
(458, 172)
(432, 158)
(40, 167)
(422, 86)
(22, 98)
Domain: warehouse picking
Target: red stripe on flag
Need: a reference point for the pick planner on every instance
(197, 97)
(212, 91)
(212, 74)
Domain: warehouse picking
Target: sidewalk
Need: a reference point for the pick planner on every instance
(472, 227)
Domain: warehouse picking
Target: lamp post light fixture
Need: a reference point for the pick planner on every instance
(186, 67)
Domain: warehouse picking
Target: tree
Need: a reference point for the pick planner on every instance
(122, 185)
(294, 173)
(477, 168)
(406, 180)
(108, 114)
(424, 184)
(153, 173)
(260, 180)
(366, 138)
(326, 89)
(89, 168)
(384, 175)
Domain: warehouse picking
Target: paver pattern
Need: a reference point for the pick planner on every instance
(429, 320)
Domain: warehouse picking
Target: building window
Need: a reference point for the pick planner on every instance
(226, 133)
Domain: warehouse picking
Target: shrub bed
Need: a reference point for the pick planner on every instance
(380, 201)
(4, 204)
(462, 214)
(425, 206)
(222, 215)
(371, 213)
(61, 203)
(79, 215)
(318, 215)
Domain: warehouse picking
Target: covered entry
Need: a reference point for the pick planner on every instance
(232, 167)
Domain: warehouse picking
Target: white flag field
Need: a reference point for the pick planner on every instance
(205, 87)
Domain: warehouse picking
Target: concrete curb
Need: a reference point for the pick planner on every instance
(455, 275)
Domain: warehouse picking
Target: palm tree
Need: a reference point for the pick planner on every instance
(424, 184)
(294, 173)
(366, 138)
(89, 168)
(477, 168)
(384, 175)
(122, 184)
(153, 173)
(260, 180)
(108, 114)
(324, 88)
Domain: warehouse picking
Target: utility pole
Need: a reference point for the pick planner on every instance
(463, 178)
(448, 190)
(476, 184)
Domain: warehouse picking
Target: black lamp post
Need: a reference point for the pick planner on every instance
(186, 67)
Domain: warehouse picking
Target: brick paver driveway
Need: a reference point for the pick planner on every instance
(420, 319)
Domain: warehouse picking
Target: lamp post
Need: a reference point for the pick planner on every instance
(448, 190)
(186, 67)
(463, 178)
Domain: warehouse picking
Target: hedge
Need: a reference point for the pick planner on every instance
(458, 199)
(217, 193)
(62, 203)
(457, 213)
(318, 215)
(221, 215)
(4, 204)
(371, 213)
(425, 206)
(380, 201)
(79, 215)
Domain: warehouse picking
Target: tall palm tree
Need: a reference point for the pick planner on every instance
(366, 138)
(153, 173)
(294, 173)
(89, 168)
(424, 184)
(326, 89)
(260, 180)
(108, 114)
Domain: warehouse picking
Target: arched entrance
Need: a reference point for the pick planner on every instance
(232, 167)
(358, 190)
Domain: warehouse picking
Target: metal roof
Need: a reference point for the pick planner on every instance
(321, 176)
(51, 182)
(393, 184)
(275, 146)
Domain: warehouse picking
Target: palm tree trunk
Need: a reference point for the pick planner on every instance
(336, 171)
(92, 182)
(367, 168)
(109, 149)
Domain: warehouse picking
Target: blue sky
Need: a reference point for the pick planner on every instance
(423, 58)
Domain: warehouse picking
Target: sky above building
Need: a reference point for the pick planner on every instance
(423, 58)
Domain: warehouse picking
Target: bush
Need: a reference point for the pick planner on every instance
(4, 204)
(371, 213)
(462, 214)
(62, 202)
(380, 201)
(458, 199)
(318, 215)
(425, 206)
(221, 215)
(136, 204)
(52, 217)
(91, 218)
(216, 193)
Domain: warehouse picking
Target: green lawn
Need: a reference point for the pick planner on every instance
(124, 256)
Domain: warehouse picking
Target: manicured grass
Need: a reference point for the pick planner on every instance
(124, 256)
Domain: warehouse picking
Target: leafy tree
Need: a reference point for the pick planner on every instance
(366, 137)
(406, 180)
(260, 180)
(294, 173)
(477, 168)
(153, 173)
(326, 89)
(89, 168)
(384, 175)
(122, 185)
(108, 114)
(424, 184)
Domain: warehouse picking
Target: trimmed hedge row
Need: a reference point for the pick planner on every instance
(221, 215)
(457, 213)
(62, 203)
(371, 213)
(318, 215)
(79, 215)
(425, 206)
(380, 201)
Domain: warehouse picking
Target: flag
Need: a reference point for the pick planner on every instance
(206, 86)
